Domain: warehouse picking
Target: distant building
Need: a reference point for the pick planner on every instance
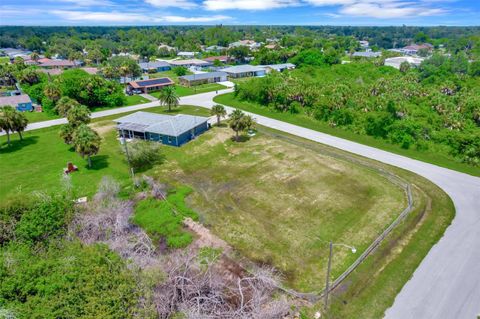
(397, 61)
(413, 49)
(364, 44)
(56, 64)
(252, 45)
(89, 70)
(166, 47)
(20, 102)
(215, 48)
(246, 70)
(151, 85)
(186, 54)
(221, 58)
(279, 67)
(367, 54)
(170, 130)
(155, 66)
(190, 62)
(203, 78)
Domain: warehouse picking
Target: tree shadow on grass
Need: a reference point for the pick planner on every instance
(17, 144)
(241, 139)
(98, 162)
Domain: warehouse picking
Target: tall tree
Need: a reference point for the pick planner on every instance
(240, 122)
(78, 115)
(219, 111)
(168, 96)
(64, 105)
(20, 123)
(52, 91)
(86, 142)
(7, 120)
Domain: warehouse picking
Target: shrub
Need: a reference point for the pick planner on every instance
(144, 154)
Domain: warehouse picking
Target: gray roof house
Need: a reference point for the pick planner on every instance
(280, 67)
(155, 66)
(246, 70)
(367, 54)
(20, 102)
(203, 78)
(170, 130)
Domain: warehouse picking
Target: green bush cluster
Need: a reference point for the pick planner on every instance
(162, 219)
(438, 104)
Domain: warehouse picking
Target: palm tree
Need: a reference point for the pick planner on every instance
(168, 96)
(7, 119)
(64, 105)
(20, 123)
(237, 123)
(86, 142)
(78, 115)
(52, 92)
(34, 56)
(124, 71)
(219, 111)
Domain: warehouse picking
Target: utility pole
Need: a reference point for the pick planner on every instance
(327, 285)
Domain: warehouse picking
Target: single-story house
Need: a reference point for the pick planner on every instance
(155, 66)
(90, 70)
(146, 86)
(397, 61)
(186, 54)
(364, 44)
(170, 130)
(20, 102)
(203, 78)
(190, 63)
(57, 64)
(221, 58)
(246, 70)
(51, 71)
(279, 67)
(215, 48)
(367, 54)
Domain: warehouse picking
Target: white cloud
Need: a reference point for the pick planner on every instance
(216, 5)
(177, 19)
(86, 3)
(382, 9)
(182, 4)
(389, 9)
(126, 18)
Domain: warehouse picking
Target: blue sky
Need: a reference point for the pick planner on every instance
(235, 12)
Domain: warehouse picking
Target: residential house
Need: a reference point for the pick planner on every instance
(166, 47)
(221, 58)
(155, 66)
(252, 45)
(397, 61)
(215, 48)
(203, 78)
(364, 44)
(56, 64)
(246, 70)
(187, 54)
(367, 54)
(279, 67)
(21, 102)
(151, 85)
(190, 63)
(89, 70)
(169, 130)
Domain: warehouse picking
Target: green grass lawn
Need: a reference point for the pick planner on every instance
(438, 157)
(37, 163)
(45, 116)
(261, 198)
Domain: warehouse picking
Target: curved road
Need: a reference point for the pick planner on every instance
(446, 285)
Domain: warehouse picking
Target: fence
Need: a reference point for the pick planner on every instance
(389, 175)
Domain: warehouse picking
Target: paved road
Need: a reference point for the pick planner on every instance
(446, 285)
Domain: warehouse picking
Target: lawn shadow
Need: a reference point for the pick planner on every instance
(158, 161)
(17, 144)
(98, 162)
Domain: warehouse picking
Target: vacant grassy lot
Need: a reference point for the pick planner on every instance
(278, 203)
(37, 163)
(429, 156)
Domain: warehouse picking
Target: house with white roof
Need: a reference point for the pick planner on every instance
(397, 61)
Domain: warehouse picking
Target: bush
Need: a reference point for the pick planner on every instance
(46, 219)
(144, 154)
(180, 70)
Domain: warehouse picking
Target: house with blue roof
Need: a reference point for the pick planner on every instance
(169, 130)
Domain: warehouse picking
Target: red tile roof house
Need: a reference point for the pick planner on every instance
(146, 86)
(57, 64)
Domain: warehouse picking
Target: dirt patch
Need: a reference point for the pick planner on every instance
(102, 130)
